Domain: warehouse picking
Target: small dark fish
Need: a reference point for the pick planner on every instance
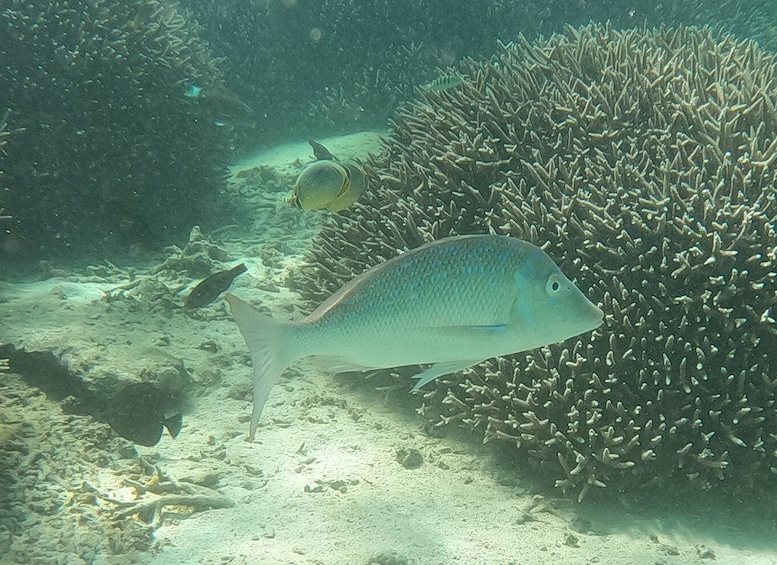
(321, 152)
(443, 82)
(141, 411)
(220, 106)
(209, 289)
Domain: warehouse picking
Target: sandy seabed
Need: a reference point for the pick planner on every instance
(339, 473)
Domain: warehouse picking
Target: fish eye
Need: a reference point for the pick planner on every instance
(553, 285)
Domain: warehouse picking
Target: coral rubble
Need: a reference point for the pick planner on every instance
(48, 459)
(644, 163)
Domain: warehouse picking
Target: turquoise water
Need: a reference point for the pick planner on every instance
(148, 149)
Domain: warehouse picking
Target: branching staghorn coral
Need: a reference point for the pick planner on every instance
(111, 147)
(644, 163)
(334, 65)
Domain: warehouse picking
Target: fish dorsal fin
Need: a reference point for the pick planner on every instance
(342, 294)
(321, 152)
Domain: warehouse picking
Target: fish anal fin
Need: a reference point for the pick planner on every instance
(440, 369)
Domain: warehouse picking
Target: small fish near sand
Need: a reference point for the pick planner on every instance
(209, 289)
(451, 303)
(319, 184)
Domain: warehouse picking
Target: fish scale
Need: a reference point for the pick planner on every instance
(450, 303)
(436, 317)
(429, 287)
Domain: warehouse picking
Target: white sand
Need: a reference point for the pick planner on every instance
(322, 484)
(286, 158)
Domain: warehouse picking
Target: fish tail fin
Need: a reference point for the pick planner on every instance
(173, 425)
(266, 340)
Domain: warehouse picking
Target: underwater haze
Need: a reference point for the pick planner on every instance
(321, 282)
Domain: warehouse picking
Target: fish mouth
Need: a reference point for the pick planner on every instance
(596, 315)
(589, 317)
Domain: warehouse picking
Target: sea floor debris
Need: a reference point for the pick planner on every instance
(161, 491)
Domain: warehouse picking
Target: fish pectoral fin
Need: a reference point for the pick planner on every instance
(440, 369)
(498, 328)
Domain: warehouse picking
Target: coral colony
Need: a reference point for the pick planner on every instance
(111, 147)
(645, 162)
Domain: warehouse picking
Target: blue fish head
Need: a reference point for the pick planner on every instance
(549, 304)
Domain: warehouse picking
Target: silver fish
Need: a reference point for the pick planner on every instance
(451, 303)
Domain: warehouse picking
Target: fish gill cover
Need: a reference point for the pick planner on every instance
(645, 164)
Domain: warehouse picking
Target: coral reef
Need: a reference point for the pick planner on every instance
(329, 65)
(332, 65)
(644, 163)
(4, 135)
(111, 148)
